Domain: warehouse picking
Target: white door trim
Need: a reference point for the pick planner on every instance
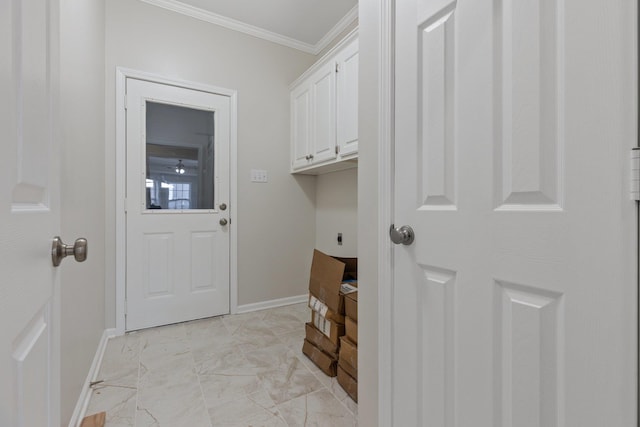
(121, 257)
(385, 208)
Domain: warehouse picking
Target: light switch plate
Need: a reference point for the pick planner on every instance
(258, 175)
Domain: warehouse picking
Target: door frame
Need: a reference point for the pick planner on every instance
(386, 156)
(122, 74)
(386, 150)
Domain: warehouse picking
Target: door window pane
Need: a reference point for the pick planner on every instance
(180, 157)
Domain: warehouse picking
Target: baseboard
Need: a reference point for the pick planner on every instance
(281, 302)
(85, 395)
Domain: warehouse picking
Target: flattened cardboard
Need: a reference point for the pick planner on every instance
(348, 383)
(351, 329)
(318, 339)
(332, 330)
(349, 354)
(351, 305)
(325, 279)
(326, 363)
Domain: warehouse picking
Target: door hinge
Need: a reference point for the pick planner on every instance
(634, 193)
(126, 105)
(337, 149)
(337, 67)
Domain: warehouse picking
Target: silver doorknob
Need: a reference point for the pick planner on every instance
(223, 206)
(223, 221)
(401, 235)
(59, 250)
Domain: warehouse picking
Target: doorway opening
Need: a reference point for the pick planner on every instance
(176, 193)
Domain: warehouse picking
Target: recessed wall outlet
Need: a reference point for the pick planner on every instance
(258, 175)
(339, 239)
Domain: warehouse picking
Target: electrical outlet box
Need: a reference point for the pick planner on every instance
(258, 175)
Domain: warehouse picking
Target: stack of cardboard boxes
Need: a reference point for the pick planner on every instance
(331, 279)
(348, 356)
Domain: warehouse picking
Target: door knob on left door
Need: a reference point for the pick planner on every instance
(59, 250)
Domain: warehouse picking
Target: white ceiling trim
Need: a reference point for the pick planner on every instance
(232, 24)
(342, 25)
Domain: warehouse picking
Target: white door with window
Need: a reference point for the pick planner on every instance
(177, 204)
(516, 304)
(29, 214)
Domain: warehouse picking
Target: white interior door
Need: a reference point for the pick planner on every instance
(177, 204)
(516, 305)
(29, 214)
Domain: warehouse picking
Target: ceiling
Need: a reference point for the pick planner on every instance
(308, 25)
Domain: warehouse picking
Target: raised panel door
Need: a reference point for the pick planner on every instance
(516, 305)
(29, 214)
(177, 178)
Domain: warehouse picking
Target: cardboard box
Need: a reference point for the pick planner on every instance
(353, 372)
(331, 329)
(326, 363)
(351, 329)
(350, 268)
(319, 307)
(349, 355)
(327, 274)
(348, 383)
(318, 339)
(351, 305)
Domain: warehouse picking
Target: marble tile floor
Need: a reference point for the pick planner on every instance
(238, 370)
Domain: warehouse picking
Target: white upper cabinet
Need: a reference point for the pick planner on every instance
(347, 85)
(300, 126)
(324, 112)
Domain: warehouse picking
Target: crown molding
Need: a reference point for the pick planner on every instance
(233, 24)
(342, 25)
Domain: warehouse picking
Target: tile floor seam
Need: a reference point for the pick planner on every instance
(281, 327)
(139, 363)
(316, 375)
(204, 400)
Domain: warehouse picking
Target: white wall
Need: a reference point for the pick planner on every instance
(368, 227)
(83, 204)
(276, 220)
(337, 212)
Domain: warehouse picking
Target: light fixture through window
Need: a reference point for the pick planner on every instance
(180, 168)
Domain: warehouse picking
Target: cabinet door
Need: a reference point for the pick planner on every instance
(323, 113)
(300, 126)
(347, 82)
